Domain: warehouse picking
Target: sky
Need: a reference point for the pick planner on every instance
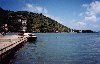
(76, 14)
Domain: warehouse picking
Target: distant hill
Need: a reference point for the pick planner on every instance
(1, 8)
(35, 22)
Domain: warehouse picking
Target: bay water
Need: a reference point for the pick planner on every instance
(60, 48)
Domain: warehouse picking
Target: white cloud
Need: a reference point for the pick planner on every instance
(95, 7)
(91, 16)
(92, 10)
(81, 14)
(85, 5)
(29, 5)
(35, 9)
(81, 23)
(40, 9)
(55, 18)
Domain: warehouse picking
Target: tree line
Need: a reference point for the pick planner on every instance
(35, 22)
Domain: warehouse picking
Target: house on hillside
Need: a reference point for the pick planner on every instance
(4, 29)
(23, 21)
(17, 22)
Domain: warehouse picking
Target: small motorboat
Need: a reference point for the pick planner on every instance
(31, 36)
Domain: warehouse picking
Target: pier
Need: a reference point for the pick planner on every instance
(7, 43)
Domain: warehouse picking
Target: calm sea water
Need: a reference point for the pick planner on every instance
(61, 48)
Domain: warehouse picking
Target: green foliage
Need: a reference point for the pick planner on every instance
(35, 22)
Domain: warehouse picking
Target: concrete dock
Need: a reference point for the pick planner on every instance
(9, 42)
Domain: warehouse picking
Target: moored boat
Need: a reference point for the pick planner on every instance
(31, 36)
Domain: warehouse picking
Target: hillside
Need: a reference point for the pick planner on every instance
(35, 22)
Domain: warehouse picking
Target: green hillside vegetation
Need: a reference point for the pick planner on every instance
(35, 22)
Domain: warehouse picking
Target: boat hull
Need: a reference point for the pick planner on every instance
(32, 38)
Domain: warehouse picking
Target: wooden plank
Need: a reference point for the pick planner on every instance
(9, 42)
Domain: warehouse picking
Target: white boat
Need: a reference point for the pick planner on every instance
(31, 36)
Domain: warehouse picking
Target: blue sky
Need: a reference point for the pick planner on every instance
(77, 14)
